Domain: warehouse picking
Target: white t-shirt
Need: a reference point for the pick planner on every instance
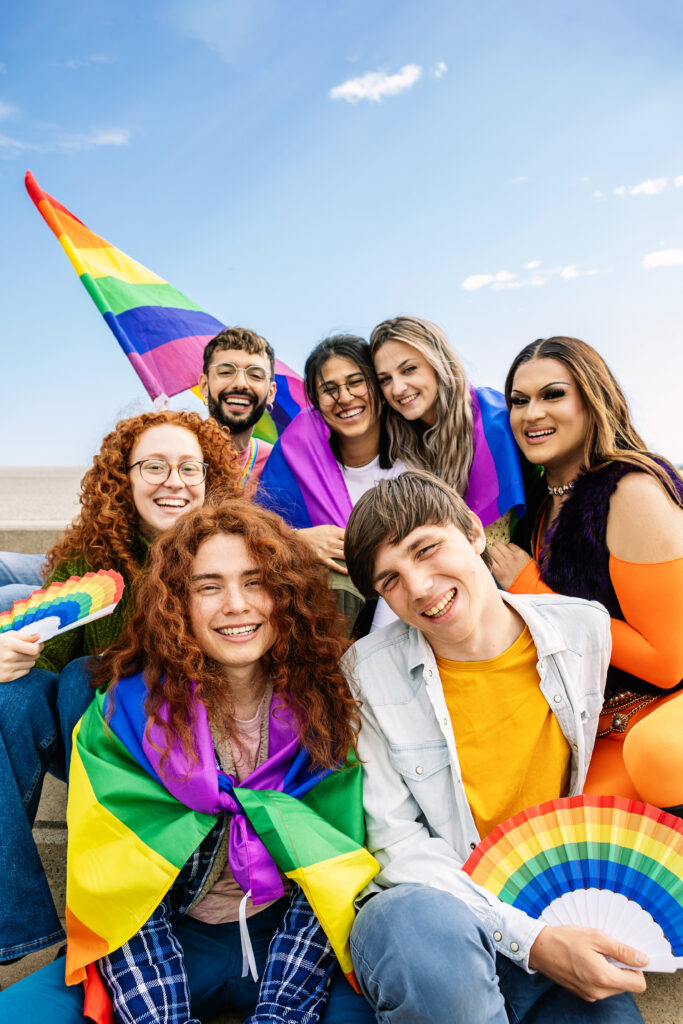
(358, 480)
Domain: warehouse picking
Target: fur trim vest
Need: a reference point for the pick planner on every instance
(574, 559)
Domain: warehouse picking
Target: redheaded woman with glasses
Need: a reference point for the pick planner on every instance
(331, 454)
(150, 470)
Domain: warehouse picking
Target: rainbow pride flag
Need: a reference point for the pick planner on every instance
(162, 332)
(131, 829)
(303, 482)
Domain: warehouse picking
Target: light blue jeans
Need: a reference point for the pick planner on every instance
(37, 716)
(213, 964)
(421, 955)
(19, 576)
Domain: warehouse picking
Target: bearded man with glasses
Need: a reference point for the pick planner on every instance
(237, 384)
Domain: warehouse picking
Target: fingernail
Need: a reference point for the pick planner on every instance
(641, 959)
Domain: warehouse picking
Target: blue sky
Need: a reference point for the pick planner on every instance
(508, 170)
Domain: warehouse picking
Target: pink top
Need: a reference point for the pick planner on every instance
(221, 903)
(253, 458)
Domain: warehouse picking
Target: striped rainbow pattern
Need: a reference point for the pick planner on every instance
(587, 842)
(123, 814)
(63, 606)
(162, 332)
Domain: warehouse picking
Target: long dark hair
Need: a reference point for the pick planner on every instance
(610, 434)
(357, 350)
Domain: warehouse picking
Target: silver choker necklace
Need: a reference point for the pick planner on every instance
(564, 489)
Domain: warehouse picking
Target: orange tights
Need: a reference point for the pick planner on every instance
(645, 763)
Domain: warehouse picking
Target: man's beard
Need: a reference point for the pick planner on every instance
(236, 424)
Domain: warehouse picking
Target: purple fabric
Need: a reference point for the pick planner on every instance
(198, 787)
(305, 446)
(482, 489)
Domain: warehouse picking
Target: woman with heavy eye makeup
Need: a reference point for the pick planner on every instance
(436, 421)
(328, 457)
(609, 527)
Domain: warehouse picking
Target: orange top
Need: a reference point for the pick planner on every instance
(649, 644)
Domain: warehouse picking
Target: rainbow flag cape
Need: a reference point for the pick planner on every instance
(162, 332)
(131, 829)
(302, 481)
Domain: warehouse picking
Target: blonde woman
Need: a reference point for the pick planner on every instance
(437, 421)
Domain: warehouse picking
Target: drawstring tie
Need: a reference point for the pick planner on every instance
(248, 960)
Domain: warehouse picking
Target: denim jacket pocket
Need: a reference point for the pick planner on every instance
(425, 769)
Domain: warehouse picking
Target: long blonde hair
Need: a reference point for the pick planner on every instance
(447, 448)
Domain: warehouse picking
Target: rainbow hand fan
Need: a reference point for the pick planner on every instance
(598, 861)
(63, 606)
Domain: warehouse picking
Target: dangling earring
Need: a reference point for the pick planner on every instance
(270, 407)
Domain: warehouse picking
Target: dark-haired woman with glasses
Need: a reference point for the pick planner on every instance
(330, 455)
(150, 470)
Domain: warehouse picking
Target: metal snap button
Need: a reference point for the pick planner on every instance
(557, 698)
(419, 770)
(497, 936)
(514, 946)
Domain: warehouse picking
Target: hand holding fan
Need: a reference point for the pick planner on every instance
(598, 861)
(63, 606)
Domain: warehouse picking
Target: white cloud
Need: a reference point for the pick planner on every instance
(678, 181)
(663, 258)
(651, 187)
(476, 281)
(66, 143)
(504, 280)
(12, 147)
(440, 69)
(520, 180)
(375, 85)
(94, 58)
(584, 179)
(597, 194)
(88, 140)
(109, 137)
(7, 110)
(504, 286)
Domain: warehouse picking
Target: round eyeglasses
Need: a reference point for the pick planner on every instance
(356, 384)
(157, 471)
(228, 372)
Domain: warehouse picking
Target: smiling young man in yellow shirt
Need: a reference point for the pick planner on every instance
(474, 706)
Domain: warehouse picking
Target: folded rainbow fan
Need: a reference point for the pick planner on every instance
(63, 606)
(598, 861)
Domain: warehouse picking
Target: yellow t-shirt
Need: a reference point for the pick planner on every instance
(510, 746)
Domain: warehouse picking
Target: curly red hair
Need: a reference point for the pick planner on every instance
(303, 663)
(105, 531)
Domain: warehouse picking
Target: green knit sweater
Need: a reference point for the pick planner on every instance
(96, 636)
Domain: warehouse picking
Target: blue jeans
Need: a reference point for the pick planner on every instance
(213, 964)
(19, 576)
(421, 955)
(37, 716)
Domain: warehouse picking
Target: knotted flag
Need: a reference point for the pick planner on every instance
(132, 826)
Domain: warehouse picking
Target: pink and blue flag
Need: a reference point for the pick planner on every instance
(303, 482)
